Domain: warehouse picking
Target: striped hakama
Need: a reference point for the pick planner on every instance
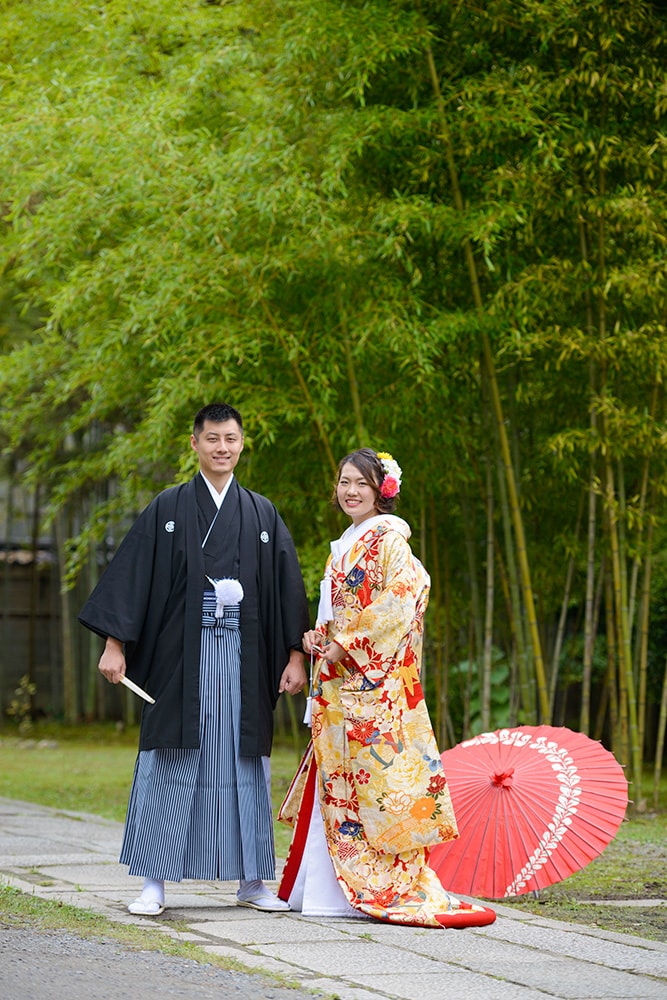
(204, 813)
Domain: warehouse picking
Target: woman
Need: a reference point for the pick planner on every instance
(370, 796)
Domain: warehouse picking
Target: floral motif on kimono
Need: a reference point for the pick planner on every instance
(382, 789)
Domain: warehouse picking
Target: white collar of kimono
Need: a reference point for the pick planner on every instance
(340, 546)
(356, 531)
(217, 497)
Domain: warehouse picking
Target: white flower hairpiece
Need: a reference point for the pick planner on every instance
(391, 484)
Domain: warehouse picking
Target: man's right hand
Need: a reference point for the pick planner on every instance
(112, 660)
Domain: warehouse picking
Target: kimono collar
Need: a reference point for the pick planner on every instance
(357, 531)
(340, 546)
(218, 498)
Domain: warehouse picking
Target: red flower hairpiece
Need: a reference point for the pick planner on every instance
(391, 484)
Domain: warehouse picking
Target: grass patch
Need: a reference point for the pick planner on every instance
(89, 769)
(633, 867)
(18, 910)
(73, 775)
(649, 922)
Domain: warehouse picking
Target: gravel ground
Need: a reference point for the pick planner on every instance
(41, 965)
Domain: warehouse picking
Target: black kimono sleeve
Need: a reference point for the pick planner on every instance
(149, 598)
(119, 603)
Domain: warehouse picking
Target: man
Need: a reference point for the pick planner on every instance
(204, 607)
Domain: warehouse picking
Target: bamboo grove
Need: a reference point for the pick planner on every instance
(437, 229)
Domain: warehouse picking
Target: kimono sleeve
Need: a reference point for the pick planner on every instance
(294, 612)
(376, 638)
(118, 604)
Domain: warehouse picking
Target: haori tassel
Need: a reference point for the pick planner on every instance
(227, 592)
(308, 714)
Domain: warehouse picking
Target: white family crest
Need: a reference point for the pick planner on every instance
(169, 526)
(264, 536)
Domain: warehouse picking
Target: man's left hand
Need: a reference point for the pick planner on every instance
(294, 678)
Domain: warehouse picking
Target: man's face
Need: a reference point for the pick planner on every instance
(218, 446)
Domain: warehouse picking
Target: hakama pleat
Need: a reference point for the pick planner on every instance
(204, 813)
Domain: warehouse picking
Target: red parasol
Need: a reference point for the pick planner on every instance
(533, 805)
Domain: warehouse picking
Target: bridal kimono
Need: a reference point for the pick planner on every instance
(370, 791)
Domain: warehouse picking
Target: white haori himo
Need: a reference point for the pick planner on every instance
(228, 592)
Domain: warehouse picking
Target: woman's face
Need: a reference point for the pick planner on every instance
(355, 494)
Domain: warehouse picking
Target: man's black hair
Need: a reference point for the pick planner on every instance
(217, 413)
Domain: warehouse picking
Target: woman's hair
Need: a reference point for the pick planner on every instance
(370, 466)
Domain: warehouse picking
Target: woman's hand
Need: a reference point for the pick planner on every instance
(333, 653)
(313, 641)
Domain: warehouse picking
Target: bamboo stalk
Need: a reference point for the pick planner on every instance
(487, 661)
(589, 631)
(611, 673)
(628, 713)
(623, 545)
(436, 628)
(526, 694)
(628, 706)
(500, 565)
(597, 603)
(643, 494)
(640, 663)
(447, 648)
(477, 631)
(560, 630)
(660, 741)
(468, 684)
(352, 377)
(642, 643)
(70, 700)
(497, 409)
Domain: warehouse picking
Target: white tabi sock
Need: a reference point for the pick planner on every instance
(248, 890)
(154, 890)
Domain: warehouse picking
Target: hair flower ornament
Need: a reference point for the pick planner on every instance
(391, 484)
